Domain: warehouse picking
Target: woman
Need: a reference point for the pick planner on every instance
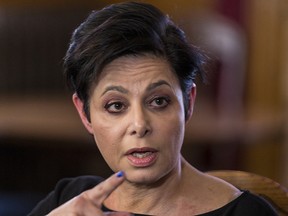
(132, 73)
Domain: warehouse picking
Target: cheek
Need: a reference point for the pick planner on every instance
(172, 130)
(106, 143)
(108, 136)
(178, 129)
(104, 129)
(177, 121)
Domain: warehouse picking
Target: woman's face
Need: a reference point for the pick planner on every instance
(137, 117)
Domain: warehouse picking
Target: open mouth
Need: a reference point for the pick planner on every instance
(141, 154)
(142, 157)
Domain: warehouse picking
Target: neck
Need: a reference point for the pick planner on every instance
(155, 198)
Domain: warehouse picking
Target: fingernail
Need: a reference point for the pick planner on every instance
(120, 174)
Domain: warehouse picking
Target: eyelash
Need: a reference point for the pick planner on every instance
(161, 98)
(108, 106)
(114, 103)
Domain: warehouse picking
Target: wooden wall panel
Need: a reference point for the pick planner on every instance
(265, 95)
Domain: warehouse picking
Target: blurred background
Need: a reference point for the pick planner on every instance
(240, 118)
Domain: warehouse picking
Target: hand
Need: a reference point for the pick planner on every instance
(89, 202)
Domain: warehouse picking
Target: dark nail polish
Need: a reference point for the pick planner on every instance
(120, 174)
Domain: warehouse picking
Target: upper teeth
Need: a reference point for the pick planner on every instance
(141, 154)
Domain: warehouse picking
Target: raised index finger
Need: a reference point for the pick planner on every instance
(100, 192)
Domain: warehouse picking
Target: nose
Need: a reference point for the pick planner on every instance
(140, 125)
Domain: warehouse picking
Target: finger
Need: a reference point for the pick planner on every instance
(100, 192)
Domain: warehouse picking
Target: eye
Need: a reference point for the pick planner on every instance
(115, 107)
(159, 102)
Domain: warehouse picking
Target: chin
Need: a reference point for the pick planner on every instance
(144, 181)
(144, 177)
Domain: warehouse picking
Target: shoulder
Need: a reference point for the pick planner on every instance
(229, 200)
(246, 204)
(222, 191)
(251, 204)
(241, 202)
(65, 190)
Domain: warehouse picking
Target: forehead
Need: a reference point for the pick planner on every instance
(137, 68)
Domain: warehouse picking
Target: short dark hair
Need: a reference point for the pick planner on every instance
(128, 28)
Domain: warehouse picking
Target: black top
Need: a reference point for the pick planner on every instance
(246, 204)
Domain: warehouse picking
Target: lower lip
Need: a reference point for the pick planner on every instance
(142, 162)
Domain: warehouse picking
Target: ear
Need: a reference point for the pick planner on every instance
(192, 102)
(80, 108)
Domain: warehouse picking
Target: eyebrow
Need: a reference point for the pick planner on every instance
(115, 88)
(150, 87)
(157, 84)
